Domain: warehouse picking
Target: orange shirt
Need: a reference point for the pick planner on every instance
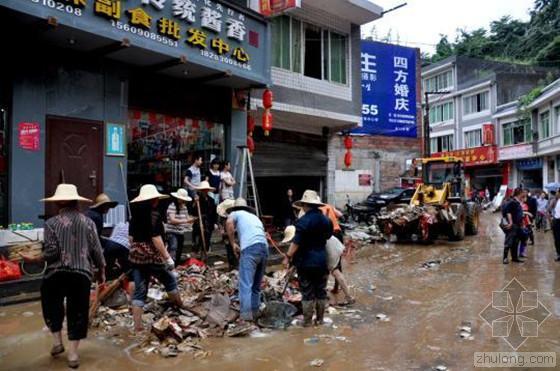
(329, 212)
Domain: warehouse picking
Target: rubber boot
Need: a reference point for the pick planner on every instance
(307, 307)
(320, 306)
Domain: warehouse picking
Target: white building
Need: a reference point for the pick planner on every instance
(530, 139)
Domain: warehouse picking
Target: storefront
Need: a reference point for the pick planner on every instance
(525, 168)
(111, 95)
(530, 173)
(287, 160)
(481, 167)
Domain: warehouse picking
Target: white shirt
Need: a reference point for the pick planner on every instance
(556, 213)
(335, 248)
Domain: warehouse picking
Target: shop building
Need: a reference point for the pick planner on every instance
(464, 118)
(111, 95)
(316, 89)
(530, 139)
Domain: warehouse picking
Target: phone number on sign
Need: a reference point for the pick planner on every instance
(61, 7)
(147, 34)
(221, 58)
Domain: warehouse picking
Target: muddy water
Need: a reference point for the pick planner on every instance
(425, 307)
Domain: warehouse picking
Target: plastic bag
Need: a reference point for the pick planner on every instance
(9, 270)
(193, 261)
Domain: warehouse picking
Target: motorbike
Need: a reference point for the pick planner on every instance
(360, 213)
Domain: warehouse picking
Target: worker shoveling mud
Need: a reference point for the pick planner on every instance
(211, 309)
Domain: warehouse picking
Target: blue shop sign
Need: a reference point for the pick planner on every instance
(205, 32)
(388, 90)
(530, 164)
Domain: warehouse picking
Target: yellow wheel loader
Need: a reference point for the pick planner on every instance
(439, 206)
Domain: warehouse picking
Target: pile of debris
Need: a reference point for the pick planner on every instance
(404, 215)
(211, 309)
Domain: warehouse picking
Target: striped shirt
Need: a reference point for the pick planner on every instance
(120, 235)
(71, 244)
(182, 215)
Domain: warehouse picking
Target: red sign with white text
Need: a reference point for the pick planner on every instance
(29, 134)
(473, 156)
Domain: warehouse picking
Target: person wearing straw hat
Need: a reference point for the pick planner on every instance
(253, 254)
(221, 210)
(148, 254)
(102, 205)
(112, 250)
(72, 250)
(207, 217)
(308, 253)
(178, 222)
(335, 249)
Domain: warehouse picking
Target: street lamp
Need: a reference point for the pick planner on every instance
(427, 151)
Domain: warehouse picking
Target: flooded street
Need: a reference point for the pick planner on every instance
(425, 306)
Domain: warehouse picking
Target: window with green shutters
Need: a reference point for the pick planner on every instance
(442, 81)
(281, 45)
(544, 125)
(443, 143)
(557, 118)
(473, 138)
(338, 57)
(476, 103)
(313, 51)
(296, 45)
(442, 112)
(517, 132)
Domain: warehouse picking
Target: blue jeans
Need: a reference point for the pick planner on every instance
(175, 244)
(142, 273)
(252, 266)
(112, 252)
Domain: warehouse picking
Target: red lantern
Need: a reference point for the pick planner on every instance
(267, 122)
(348, 159)
(251, 144)
(267, 99)
(250, 124)
(348, 142)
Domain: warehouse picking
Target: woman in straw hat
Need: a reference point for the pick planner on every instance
(335, 249)
(102, 205)
(308, 253)
(207, 216)
(148, 254)
(112, 250)
(177, 223)
(71, 249)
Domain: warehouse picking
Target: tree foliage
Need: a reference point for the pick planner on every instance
(536, 41)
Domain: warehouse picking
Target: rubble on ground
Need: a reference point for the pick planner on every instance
(362, 233)
(211, 309)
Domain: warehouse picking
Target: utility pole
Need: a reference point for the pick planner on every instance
(427, 149)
